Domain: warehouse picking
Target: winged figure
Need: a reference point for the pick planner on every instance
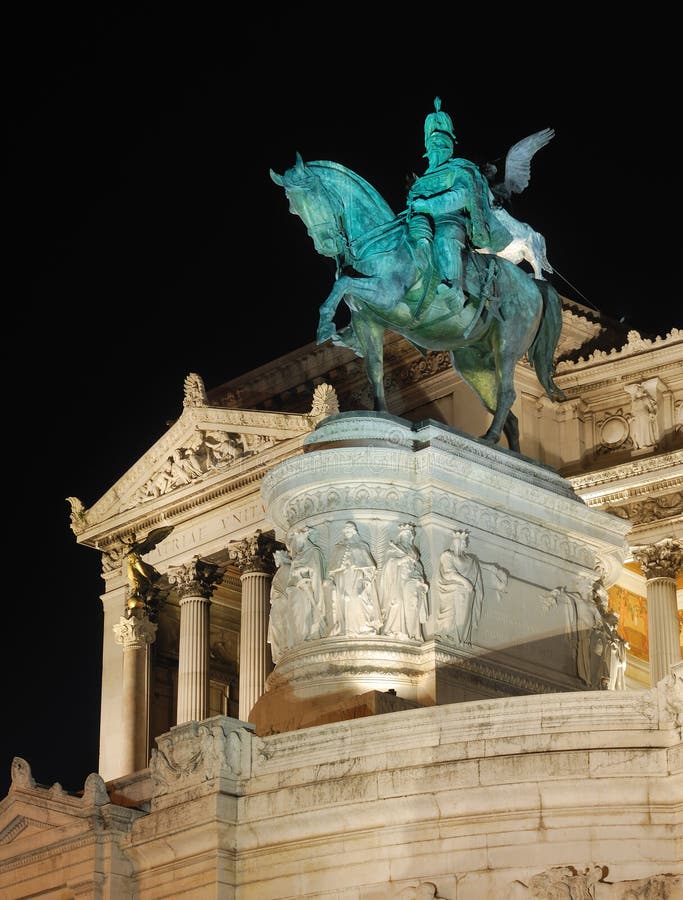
(142, 575)
(517, 166)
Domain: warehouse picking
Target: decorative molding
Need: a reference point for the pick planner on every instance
(634, 344)
(78, 516)
(32, 857)
(195, 392)
(18, 824)
(648, 510)
(621, 473)
(95, 790)
(21, 774)
(413, 502)
(196, 752)
(325, 402)
(112, 558)
(571, 882)
(671, 697)
(614, 431)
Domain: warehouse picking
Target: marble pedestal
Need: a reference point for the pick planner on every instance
(393, 513)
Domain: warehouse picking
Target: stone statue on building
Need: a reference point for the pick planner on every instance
(461, 591)
(142, 576)
(352, 582)
(595, 643)
(305, 594)
(403, 587)
(643, 421)
(279, 620)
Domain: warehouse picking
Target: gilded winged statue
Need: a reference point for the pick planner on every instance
(141, 575)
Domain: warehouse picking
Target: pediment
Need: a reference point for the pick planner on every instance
(205, 442)
(36, 820)
(31, 815)
(21, 826)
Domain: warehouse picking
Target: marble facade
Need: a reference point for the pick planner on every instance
(377, 748)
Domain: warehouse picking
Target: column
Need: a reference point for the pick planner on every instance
(661, 563)
(254, 558)
(194, 585)
(135, 633)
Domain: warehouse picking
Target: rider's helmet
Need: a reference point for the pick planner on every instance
(439, 123)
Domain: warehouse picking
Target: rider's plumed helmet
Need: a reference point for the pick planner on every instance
(439, 122)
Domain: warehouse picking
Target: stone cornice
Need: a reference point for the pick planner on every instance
(634, 346)
(468, 462)
(643, 471)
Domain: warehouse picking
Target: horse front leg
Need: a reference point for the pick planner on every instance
(326, 326)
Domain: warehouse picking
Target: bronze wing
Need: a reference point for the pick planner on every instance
(518, 160)
(155, 536)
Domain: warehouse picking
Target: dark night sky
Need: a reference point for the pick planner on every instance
(147, 241)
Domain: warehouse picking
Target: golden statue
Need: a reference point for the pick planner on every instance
(141, 575)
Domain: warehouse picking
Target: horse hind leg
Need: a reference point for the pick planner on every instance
(511, 431)
(503, 418)
(370, 337)
(495, 388)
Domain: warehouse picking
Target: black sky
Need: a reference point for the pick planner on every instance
(147, 241)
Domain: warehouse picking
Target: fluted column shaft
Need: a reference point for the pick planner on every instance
(254, 558)
(193, 660)
(135, 634)
(661, 563)
(255, 663)
(195, 582)
(662, 617)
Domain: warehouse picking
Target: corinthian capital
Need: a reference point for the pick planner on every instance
(195, 578)
(661, 560)
(255, 553)
(135, 632)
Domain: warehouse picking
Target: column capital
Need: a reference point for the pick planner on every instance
(135, 633)
(661, 560)
(196, 578)
(255, 553)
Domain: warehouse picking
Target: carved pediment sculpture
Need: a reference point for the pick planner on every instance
(203, 441)
(203, 453)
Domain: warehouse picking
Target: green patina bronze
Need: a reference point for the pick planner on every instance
(429, 274)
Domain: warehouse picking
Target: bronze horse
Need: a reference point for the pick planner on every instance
(388, 283)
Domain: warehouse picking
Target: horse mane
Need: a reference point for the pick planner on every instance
(324, 168)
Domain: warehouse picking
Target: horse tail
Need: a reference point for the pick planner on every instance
(542, 351)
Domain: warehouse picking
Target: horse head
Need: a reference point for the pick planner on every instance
(338, 207)
(316, 205)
